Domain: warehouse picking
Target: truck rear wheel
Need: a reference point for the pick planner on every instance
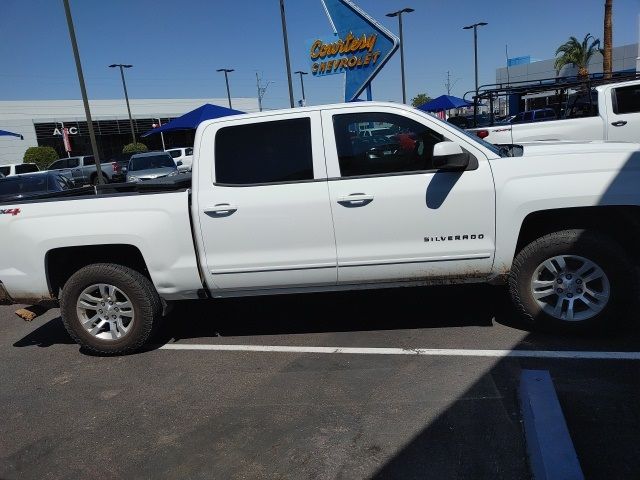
(109, 309)
(573, 280)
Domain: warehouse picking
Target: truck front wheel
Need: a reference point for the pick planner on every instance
(573, 280)
(109, 309)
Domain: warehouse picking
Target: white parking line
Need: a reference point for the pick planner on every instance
(451, 352)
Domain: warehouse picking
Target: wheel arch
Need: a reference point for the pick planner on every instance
(622, 222)
(61, 263)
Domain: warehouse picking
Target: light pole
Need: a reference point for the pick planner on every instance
(126, 96)
(83, 91)
(475, 52)
(159, 124)
(399, 15)
(304, 99)
(227, 71)
(286, 51)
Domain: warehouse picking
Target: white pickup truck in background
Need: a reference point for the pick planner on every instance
(299, 201)
(617, 120)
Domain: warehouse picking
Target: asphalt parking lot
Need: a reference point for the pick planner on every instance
(298, 414)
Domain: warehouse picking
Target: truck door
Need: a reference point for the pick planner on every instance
(263, 203)
(396, 217)
(623, 109)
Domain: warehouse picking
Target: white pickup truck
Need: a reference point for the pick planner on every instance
(296, 201)
(617, 120)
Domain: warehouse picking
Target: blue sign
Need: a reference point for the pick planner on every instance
(359, 49)
(511, 62)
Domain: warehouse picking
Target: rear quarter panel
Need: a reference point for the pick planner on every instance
(589, 128)
(157, 224)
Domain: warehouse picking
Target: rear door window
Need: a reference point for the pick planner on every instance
(266, 152)
(88, 161)
(175, 153)
(5, 171)
(626, 99)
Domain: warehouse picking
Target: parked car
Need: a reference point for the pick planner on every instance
(281, 202)
(183, 157)
(150, 165)
(617, 119)
(85, 172)
(466, 121)
(17, 168)
(28, 185)
(528, 116)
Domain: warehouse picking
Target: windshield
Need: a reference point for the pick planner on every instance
(23, 184)
(150, 162)
(474, 137)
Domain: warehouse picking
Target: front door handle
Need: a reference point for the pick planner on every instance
(221, 210)
(619, 123)
(355, 200)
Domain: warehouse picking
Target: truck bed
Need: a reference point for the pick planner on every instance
(167, 184)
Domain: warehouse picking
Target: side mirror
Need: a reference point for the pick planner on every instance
(449, 155)
(179, 163)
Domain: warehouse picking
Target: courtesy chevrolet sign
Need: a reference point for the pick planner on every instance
(348, 53)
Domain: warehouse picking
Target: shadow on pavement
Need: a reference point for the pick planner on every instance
(391, 309)
(46, 335)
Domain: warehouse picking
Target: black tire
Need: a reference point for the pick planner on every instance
(592, 245)
(94, 179)
(145, 301)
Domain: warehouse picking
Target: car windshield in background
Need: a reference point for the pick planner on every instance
(23, 184)
(150, 162)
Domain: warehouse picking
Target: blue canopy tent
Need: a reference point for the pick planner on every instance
(4, 133)
(444, 102)
(191, 120)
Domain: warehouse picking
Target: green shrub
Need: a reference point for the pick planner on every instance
(41, 156)
(134, 148)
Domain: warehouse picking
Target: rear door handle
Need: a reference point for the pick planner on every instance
(355, 200)
(619, 123)
(221, 209)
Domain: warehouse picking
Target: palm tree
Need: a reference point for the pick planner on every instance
(579, 54)
(608, 40)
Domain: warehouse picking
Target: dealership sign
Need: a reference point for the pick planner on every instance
(359, 49)
(70, 131)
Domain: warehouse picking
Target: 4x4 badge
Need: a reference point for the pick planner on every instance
(10, 211)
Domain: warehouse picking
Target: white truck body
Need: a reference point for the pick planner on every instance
(326, 232)
(609, 124)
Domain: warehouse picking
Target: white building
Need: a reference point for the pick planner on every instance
(624, 59)
(40, 122)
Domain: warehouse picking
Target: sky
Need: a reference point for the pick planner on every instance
(176, 46)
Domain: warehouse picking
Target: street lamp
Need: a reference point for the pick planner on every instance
(83, 90)
(399, 15)
(304, 99)
(227, 71)
(126, 96)
(286, 50)
(475, 51)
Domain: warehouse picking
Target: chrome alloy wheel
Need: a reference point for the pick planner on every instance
(570, 287)
(105, 311)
